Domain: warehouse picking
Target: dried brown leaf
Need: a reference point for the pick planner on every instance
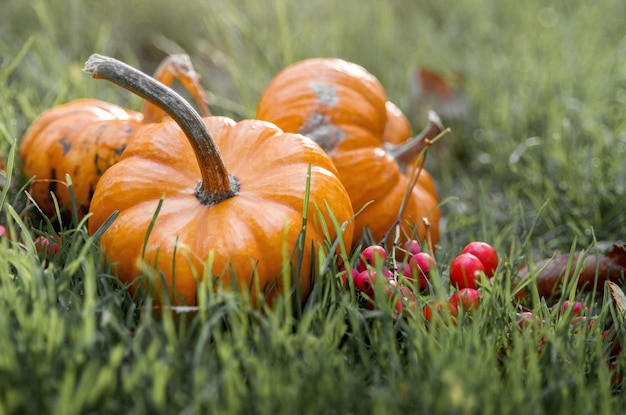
(552, 271)
(618, 297)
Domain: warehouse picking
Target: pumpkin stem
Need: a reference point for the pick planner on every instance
(216, 185)
(177, 67)
(413, 178)
(406, 152)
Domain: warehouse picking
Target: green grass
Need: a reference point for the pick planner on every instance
(537, 165)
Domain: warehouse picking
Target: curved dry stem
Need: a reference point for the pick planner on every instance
(216, 184)
(418, 166)
(177, 67)
(405, 153)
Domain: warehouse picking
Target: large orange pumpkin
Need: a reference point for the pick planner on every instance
(344, 108)
(233, 198)
(85, 137)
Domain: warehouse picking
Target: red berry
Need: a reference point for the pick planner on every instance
(396, 293)
(486, 254)
(398, 307)
(413, 273)
(430, 308)
(468, 298)
(3, 230)
(419, 266)
(577, 307)
(369, 255)
(389, 275)
(363, 282)
(465, 271)
(344, 275)
(423, 263)
(390, 287)
(438, 307)
(50, 244)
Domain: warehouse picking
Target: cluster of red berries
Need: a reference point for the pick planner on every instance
(407, 272)
(46, 245)
(373, 262)
(410, 269)
(477, 260)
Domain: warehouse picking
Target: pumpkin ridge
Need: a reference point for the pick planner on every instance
(361, 131)
(217, 185)
(243, 236)
(236, 138)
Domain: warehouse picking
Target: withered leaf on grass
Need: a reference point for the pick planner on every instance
(618, 297)
(609, 266)
(429, 90)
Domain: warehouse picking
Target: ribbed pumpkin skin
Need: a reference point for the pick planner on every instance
(311, 97)
(81, 138)
(385, 184)
(397, 127)
(345, 110)
(246, 233)
(85, 137)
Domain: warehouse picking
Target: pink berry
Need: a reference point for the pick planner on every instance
(406, 292)
(422, 262)
(396, 293)
(420, 266)
(525, 319)
(412, 274)
(412, 247)
(465, 271)
(390, 287)
(370, 256)
(486, 254)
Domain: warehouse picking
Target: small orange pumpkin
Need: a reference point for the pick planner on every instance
(344, 109)
(85, 137)
(241, 218)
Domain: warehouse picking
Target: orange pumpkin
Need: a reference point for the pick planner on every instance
(344, 108)
(83, 138)
(236, 207)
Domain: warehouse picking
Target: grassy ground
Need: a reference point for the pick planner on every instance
(535, 166)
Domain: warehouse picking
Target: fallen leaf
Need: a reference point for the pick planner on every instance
(618, 297)
(429, 90)
(610, 266)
